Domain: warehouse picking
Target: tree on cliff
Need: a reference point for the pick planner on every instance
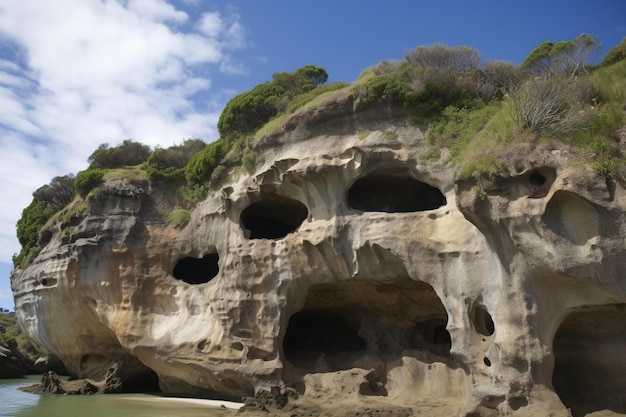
(615, 54)
(128, 153)
(47, 201)
(562, 58)
(248, 111)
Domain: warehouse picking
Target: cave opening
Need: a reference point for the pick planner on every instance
(393, 190)
(273, 217)
(145, 382)
(343, 322)
(590, 367)
(483, 323)
(316, 335)
(197, 270)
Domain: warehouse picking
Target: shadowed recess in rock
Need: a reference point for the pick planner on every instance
(483, 323)
(590, 367)
(273, 217)
(197, 271)
(393, 190)
(342, 323)
(577, 219)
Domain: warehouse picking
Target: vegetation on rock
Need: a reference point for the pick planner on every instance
(470, 110)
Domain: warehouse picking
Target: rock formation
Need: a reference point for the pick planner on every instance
(348, 270)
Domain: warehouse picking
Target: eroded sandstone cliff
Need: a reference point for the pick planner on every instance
(354, 272)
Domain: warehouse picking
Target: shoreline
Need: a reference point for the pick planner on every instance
(199, 401)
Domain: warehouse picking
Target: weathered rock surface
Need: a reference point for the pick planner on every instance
(350, 270)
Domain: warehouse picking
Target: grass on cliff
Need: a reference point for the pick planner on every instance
(596, 113)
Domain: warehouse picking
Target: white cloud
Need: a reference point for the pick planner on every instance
(210, 24)
(78, 73)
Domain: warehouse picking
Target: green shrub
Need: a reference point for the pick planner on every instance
(59, 193)
(179, 218)
(128, 153)
(87, 180)
(393, 86)
(443, 57)
(302, 99)
(566, 58)
(34, 217)
(485, 165)
(249, 161)
(191, 194)
(300, 81)
(200, 167)
(169, 163)
(615, 54)
(248, 111)
(457, 127)
(432, 153)
(550, 102)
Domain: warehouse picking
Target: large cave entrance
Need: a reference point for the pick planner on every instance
(342, 323)
(590, 365)
(393, 190)
(273, 217)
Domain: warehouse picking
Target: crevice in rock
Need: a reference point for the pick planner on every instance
(341, 323)
(197, 271)
(589, 371)
(393, 190)
(273, 217)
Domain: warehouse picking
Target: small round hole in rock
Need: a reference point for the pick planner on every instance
(197, 271)
(487, 361)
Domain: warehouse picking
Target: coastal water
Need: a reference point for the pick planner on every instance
(16, 403)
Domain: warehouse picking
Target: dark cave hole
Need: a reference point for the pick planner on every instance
(197, 271)
(145, 382)
(312, 333)
(432, 335)
(483, 323)
(345, 321)
(589, 372)
(393, 190)
(536, 179)
(274, 217)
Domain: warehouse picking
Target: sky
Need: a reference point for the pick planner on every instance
(78, 73)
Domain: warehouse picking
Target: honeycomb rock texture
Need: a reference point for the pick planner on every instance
(349, 270)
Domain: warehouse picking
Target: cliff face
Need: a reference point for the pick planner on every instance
(349, 269)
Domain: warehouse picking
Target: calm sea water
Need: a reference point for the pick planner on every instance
(15, 403)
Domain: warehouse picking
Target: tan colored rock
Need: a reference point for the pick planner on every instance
(354, 272)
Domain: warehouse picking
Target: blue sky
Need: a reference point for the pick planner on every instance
(78, 73)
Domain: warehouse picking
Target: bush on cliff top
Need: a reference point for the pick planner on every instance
(248, 111)
(128, 153)
(47, 201)
(169, 163)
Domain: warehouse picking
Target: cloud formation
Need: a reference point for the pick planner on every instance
(78, 73)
